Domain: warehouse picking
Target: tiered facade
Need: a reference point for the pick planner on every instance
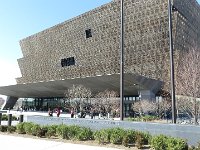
(146, 42)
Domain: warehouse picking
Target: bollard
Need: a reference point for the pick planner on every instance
(21, 118)
(0, 117)
(9, 119)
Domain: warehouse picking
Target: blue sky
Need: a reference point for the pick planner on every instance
(21, 18)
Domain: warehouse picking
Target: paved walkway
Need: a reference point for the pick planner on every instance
(9, 142)
(43, 113)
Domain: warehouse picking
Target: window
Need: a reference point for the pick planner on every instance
(62, 62)
(88, 33)
(67, 61)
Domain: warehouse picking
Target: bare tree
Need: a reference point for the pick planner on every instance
(107, 100)
(144, 106)
(78, 95)
(164, 107)
(189, 106)
(187, 80)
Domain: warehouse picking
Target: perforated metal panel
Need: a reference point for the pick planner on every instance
(146, 42)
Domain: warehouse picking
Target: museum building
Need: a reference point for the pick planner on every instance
(86, 50)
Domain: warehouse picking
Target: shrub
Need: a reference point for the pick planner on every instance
(3, 128)
(139, 142)
(97, 136)
(62, 131)
(162, 142)
(129, 138)
(73, 131)
(114, 135)
(84, 134)
(43, 131)
(176, 144)
(20, 128)
(28, 127)
(146, 137)
(117, 135)
(59, 130)
(36, 130)
(39, 131)
(133, 119)
(4, 117)
(11, 129)
(149, 118)
(145, 118)
(103, 136)
(14, 118)
(159, 142)
(125, 140)
(51, 131)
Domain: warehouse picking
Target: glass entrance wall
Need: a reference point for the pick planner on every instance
(128, 102)
(43, 104)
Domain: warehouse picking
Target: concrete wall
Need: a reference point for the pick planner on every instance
(189, 132)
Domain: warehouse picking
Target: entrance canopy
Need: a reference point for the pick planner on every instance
(132, 85)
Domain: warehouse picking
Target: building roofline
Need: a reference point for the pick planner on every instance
(69, 20)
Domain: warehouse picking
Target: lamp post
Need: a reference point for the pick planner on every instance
(171, 63)
(122, 63)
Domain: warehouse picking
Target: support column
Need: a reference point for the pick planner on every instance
(0, 117)
(9, 119)
(21, 118)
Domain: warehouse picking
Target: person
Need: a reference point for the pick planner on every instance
(72, 113)
(58, 111)
(50, 113)
(168, 115)
(92, 113)
(75, 113)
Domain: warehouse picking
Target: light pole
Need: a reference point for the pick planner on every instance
(171, 63)
(122, 63)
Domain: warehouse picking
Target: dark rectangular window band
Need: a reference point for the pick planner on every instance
(88, 33)
(67, 61)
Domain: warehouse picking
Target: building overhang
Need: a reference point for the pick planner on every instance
(132, 85)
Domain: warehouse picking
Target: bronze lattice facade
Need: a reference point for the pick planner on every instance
(146, 42)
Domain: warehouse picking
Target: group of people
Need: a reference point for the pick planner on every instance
(75, 114)
(81, 114)
(57, 111)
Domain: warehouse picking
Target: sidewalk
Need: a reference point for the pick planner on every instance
(45, 113)
(20, 143)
